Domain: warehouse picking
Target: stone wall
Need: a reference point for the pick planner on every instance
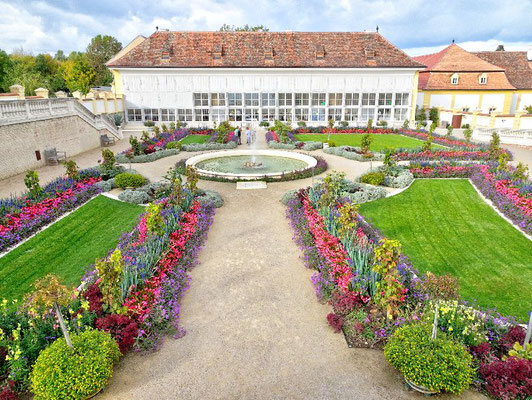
(19, 141)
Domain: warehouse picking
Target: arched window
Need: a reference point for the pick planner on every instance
(454, 79)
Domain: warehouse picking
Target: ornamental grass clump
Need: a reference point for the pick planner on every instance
(439, 365)
(62, 372)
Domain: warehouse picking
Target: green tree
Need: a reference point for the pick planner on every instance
(99, 51)
(244, 28)
(60, 55)
(22, 72)
(5, 66)
(79, 74)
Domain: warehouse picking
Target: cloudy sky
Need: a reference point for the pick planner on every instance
(417, 26)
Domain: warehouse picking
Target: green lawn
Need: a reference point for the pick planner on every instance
(380, 142)
(68, 246)
(446, 227)
(194, 139)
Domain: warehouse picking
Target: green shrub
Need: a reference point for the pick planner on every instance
(372, 178)
(64, 373)
(439, 365)
(31, 180)
(174, 145)
(468, 133)
(134, 196)
(127, 179)
(442, 287)
(264, 124)
(149, 123)
(331, 143)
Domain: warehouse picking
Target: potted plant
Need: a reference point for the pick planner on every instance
(430, 363)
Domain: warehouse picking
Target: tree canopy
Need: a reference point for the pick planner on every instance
(99, 51)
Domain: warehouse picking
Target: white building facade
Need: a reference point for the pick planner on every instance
(203, 95)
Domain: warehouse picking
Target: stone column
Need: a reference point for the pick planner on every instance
(18, 90)
(42, 92)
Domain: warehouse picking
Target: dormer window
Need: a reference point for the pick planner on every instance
(483, 79)
(370, 54)
(320, 52)
(268, 53)
(165, 55)
(217, 52)
(454, 79)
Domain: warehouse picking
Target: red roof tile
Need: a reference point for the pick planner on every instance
(515, 63)
(265, 50)
(453, 59)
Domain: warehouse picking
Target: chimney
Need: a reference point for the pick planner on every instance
(18, 90)
(42, 92)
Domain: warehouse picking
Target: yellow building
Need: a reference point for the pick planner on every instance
(488, 84)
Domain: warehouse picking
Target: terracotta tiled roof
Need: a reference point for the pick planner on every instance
(453, 59)
(265, 50)
(515, 63)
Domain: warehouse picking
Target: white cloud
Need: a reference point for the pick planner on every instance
(45, 25)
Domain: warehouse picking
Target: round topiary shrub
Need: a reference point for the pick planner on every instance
(372, 178)
(127, 179)
(61, 372)
(439, 365)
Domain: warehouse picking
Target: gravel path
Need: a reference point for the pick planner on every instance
(254, 327)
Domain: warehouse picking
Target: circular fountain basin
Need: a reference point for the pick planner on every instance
(268, 163)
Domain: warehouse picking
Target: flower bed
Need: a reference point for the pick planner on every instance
(374, 290)
(452, 155)
(511, 194)
(138, 305)
(21, 217)
(354, 153)
(274, 143)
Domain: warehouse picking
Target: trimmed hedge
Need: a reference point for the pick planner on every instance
(127, 179)
(144, 158)
(209, 146)
(372, 178)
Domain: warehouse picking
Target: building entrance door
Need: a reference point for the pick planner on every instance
(457, 121)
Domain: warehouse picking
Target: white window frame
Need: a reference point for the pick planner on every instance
(268, 114)
(286, 114)
(202, 115)
(201, 99)
(401, 99)
(352, 99)
(454, 79)
(168, 114)
(319, 99)
(317, 114)
(483, 79)
(234, 100)
(184, 114)
(218, 99)
(267, 99)
(385, 99)
(219, 114)
(134, 114)
(286, 99)
(304, 114)
(351, 114)
(369, 99)
(335, 99)
(251, 99)
(302, 100)
(335, 113)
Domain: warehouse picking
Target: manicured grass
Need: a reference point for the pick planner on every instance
(194, 139)
(380, 142)
(446, 227)
(67, 247)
